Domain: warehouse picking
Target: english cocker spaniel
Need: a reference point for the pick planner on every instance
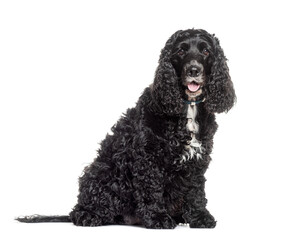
(150, 171)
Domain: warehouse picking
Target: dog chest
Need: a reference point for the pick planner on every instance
(194, 146)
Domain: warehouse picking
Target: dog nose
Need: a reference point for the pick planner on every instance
(193, 72)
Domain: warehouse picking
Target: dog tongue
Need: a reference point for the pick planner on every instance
(193, 87)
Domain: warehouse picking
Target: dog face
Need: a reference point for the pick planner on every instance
(192, 66)
(192, 60)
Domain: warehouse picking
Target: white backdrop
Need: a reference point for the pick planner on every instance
(69, 69)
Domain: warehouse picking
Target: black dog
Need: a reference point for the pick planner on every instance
(150, 171)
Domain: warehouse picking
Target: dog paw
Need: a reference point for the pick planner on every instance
(84, 218)
(160, 222)
(203, 220)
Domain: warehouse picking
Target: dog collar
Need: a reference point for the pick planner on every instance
(194, 102)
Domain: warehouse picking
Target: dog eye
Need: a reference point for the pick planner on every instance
(181, 52)
(205, 51)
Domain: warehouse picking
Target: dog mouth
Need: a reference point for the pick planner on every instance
(193, 89)
(193, 86)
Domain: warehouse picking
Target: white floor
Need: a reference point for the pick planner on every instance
(238, 229)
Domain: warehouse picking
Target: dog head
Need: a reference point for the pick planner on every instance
(192, 66)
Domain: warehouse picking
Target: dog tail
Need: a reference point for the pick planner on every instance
(41, 218)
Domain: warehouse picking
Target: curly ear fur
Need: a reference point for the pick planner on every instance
(166, 92)
(219, 90)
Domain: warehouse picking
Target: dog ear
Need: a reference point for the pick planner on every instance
(219, 89)
(166, 92)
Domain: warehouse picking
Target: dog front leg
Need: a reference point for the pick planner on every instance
(148, 195)
(196, 213)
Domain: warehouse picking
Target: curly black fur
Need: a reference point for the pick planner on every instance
(138, 176)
